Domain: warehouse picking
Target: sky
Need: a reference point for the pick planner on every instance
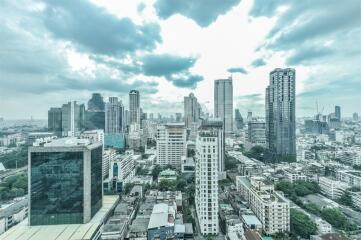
(55, 51)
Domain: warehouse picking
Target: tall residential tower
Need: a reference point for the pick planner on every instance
(134, 107)
(223, 103)
(209, 150)
(281, 112)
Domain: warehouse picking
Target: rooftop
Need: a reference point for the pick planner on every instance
(64, 231)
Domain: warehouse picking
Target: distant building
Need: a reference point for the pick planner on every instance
(134, 107)
(192, 110)
(238, 119)
(73, 119)
(95, 115)
(65, 182)
(223, 103)
(96, 103)
(256, 134)
(281, 112)
(114, 116)
(332, 188)
(316, 126)
(171, 144)
(355, 117)
(55, 121)
(338, 113)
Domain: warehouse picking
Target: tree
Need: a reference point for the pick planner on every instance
(301, 224)
(166, 185)
(313, 208)
(230, 163)
(156, 170)
(337, 219)
(346, 199)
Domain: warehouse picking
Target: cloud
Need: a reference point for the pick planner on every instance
(203, 12)
(258, 63)
(251, 102)
(92, 28)
(237, 70)
(186, 80)
(165, 64)
(305, 55)
(322, 26)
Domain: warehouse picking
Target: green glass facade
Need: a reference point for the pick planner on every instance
(96, 180)
(57, 188)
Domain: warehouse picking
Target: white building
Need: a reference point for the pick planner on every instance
(270, 207)
(332, 188)
(123, 167)
(167, 175)
(109, 156)
(323, 227)
(352, 178)
(223, 103)
(208, 151)
(171, 144)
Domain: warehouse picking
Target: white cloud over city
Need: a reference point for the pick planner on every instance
(54, 51)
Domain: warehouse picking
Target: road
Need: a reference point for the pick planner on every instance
(12, 172)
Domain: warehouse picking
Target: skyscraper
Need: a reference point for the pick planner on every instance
(73, 119)
(223, 103)
(95, 115)
(171, 144)
(134, 107)
(209, 149)
(54, 121)
(192, 110)
(238, 119)
(114, 116)
(338, 112)
(96, 103)
(65, 182)
(280, 112)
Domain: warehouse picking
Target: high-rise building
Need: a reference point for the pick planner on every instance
(114, 116)
(338, 112)
(249, 116)
(223, 103)
(209, 148)
(178, 117)
(54, 121)
(95, 115)
(171, 144)
(73, 119)
(192, 110)
(256, 134)
(281, 112)
(355, 117)
(96, 103)
(134, 107)
(65, 182)
(238, 119)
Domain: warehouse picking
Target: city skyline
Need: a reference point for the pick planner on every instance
(165, 69)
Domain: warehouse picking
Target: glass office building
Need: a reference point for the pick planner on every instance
(65, 182)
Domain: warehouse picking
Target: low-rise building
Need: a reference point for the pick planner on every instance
(167, 175)
(332, 188)
(270, 206)
(352, 178)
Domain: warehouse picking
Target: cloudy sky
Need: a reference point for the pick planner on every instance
(54, 51)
